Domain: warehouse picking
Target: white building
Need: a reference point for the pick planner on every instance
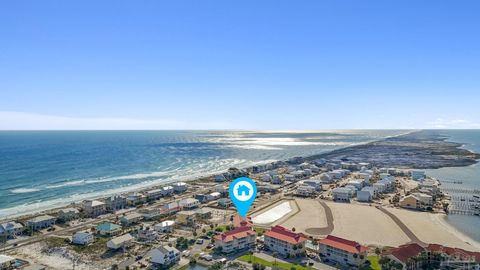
(150, 213)
(214, 195)
(306, 190)
(165, 226)
(164, 256)
(315, 183)
(116, 202)
(167, 191)
(154, 194)
(82, 238)
(11, 229)
(122, 241)
(180, 187)
(40, 222)
(341, 194)
(189, 203)
(366, 194)
(357, 183)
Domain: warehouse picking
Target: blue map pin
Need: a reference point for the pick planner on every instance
(242, 193)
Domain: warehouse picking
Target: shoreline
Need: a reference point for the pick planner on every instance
(442, 220)
(353, 152)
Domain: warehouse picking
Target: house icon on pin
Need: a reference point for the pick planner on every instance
(242, 190)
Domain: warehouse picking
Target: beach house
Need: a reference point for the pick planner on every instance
(167, 191)
(225, 202)
(120, 242)
(315, 183)
(342, 251)
(189, 203)
(203, 213)
(237, 239)
(305, 190)
(10, 229)
(186, 218)
(82, 238)
(40, 222)
(147, 234)
(154, 194)
(166, 226)
(108, 229)
(342, 194)
(136, 198)
(94, 208)
(68, 214)
(150, 213)
(7, 262)
(170, 208)
(164, 256)
(116, 202)
(180, 187)
(417, 201)
(366, 194)
(285, 242)
(131, 218)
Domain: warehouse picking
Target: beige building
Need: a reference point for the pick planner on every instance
(285, 242)
(236, 239)
(94, 208)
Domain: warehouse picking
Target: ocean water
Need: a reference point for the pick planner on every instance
(470, 177)
(42, 169)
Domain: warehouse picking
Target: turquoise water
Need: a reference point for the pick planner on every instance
(41, 169)
(470, 176)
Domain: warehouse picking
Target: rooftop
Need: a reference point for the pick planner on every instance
(286, 235)
(240, 232)
(343, 244)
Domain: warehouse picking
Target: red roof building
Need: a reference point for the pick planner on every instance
(237, 239)
(452, 257)
(342, 251)
(286, 242)
(238, 221)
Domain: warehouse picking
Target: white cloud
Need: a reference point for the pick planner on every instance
(453, 124)
(32, 121)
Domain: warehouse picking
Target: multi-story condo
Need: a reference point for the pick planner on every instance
(94, 208)
(164, 256)
(285, 242)
(115, 203)
(342, 251)
(236, 239)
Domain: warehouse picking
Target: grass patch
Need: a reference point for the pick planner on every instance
(53, 242)
(259, 230)
(374, 264)
(281, 265)
(97, 247)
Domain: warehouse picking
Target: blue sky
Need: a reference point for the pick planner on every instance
(239, 64)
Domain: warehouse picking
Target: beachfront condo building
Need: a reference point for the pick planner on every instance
(342, 251)
(94, 208)
(285, 242)
(235, 240)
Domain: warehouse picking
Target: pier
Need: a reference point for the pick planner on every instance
(460, 190)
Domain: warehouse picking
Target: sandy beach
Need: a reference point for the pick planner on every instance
(432, 228)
